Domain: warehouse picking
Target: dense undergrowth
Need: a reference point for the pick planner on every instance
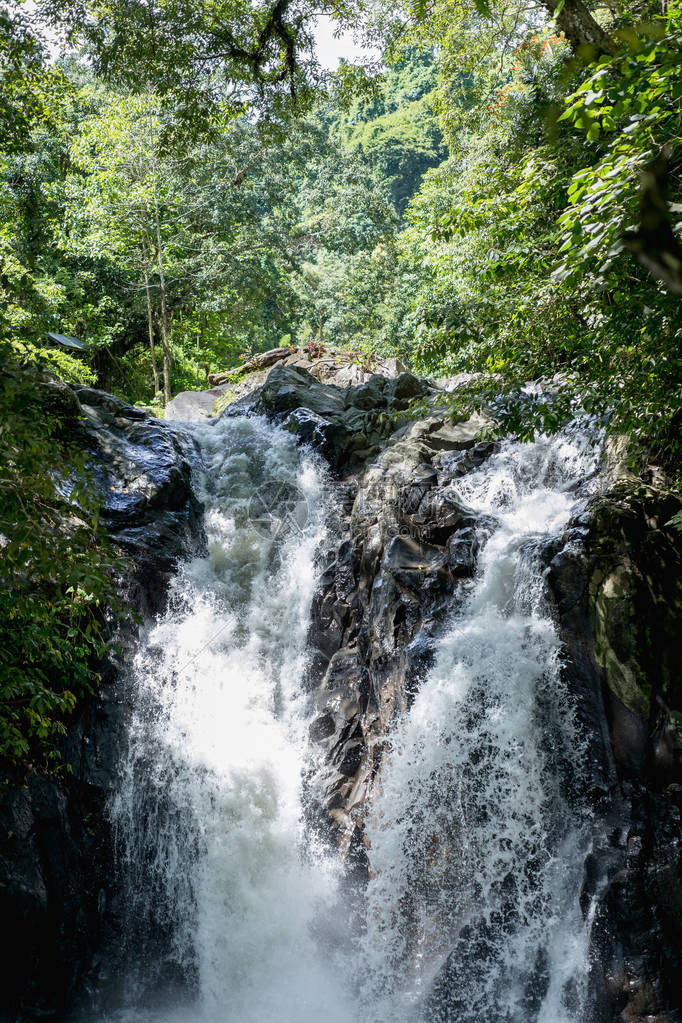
(58, 573)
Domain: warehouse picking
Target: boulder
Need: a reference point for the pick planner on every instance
(332, 366)
(192, 406)
(142, 469)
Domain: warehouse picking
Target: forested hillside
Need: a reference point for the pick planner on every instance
(182, 185)
(483, 210)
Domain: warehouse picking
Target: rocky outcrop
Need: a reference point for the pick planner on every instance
(407, 546)
(347, 425)
(617, 582)
(58, 891)
(327, 365)
(193, 406)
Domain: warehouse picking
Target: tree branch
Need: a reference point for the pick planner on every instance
(579, 26)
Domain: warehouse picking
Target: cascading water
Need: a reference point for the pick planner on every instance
(207, 815)
(476, 844)
(477, 841)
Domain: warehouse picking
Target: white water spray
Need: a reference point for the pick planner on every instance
(208, 814)
(476, 849)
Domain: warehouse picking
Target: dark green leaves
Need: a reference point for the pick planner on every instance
(57, 573)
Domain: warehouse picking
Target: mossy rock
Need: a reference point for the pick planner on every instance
(636, 596)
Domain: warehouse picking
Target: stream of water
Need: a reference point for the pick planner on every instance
(233, 913)
(477, 838)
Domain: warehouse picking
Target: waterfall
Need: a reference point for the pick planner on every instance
(476, 835)
(477, 839)
(207, 816)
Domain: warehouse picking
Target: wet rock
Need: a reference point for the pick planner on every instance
(322, 727)
(348, 425)
(58, 891)
(617, 586)
(142, 469)
(404, 547)
(462, 549)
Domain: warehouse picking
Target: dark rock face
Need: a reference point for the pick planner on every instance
(142, 469)
(617, 584)
(347, 425)
(58, 892)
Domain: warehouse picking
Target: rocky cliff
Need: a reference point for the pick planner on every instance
(617, 584)
(58, 891)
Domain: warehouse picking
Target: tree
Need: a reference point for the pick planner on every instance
(122, 199)
(213, 59)
(519, 247)
(24, 81)
(585, 34)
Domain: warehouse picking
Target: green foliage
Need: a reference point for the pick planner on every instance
(516, 245)
(397, 131)
(57, 573)
(40, 289)
(630, 107)
(676, 521)
(175, 253)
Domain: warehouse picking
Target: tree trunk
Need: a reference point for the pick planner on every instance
(585, 35)
(150, 320)
(653, 243)
(167, 361)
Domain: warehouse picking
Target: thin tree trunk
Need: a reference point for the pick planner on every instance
(150, 320)
(167, 362)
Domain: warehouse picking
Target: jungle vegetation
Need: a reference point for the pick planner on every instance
(495, 191)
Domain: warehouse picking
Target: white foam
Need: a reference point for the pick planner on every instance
(211, 792)
(476, 850)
